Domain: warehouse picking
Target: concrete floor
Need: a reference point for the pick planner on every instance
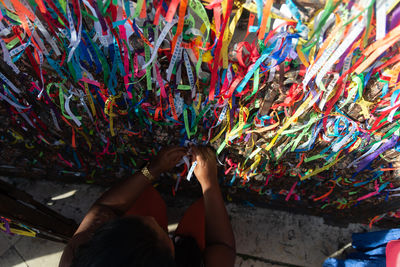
(263, 237)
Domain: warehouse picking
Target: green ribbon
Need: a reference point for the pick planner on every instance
(147, 58)
(200, 11)
(256, 83)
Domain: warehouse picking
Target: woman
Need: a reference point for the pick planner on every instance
(127, 225)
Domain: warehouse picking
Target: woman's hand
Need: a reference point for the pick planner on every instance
(166, 159)
(206, 169)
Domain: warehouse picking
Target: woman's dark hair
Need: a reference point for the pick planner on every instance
(187, 252)
(126, 242)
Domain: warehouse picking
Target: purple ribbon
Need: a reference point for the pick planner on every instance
(395, 18)
(364, 162)
(6, 225)
(339, 66)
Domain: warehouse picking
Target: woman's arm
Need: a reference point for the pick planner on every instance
(121, 196)
(220, 241)
(118, 199)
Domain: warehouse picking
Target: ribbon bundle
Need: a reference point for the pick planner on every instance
(304, 106)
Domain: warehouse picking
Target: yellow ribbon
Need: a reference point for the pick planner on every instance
(27, 232)
(320, 169)
(89, 96)
(109, 111)
(290, 121)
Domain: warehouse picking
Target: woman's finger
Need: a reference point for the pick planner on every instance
(203, 152)
(169, 150)
(177, 148)
(195, 153)
(177, 156)
(193, 159)
(177, 159)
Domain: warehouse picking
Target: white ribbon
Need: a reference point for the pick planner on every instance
(351, 37)
(189, 73)
(55, 120)
(175, 57)
(10, 84)
(12, 103)
(160, 39)
(381, 7)
(75, 37)
(68, 110)
(191, 170)
(7, 57)
(221, 117)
